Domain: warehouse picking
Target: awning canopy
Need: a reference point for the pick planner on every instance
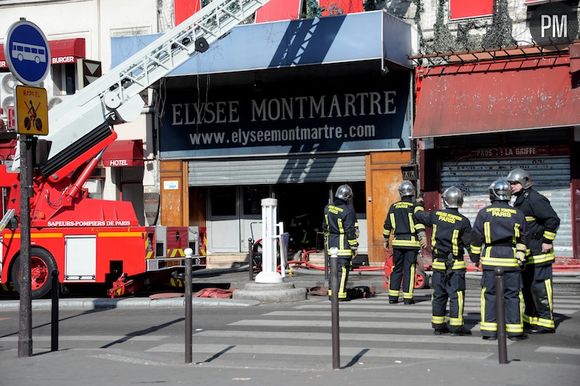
(124, 152)
(61, 51)
(346, 38)
(496, 96)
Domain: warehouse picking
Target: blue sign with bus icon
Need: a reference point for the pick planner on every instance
(27, 52)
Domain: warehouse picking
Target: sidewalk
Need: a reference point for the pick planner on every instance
(237, 278)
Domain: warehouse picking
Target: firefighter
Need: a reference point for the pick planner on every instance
(450, 237)
(408, 238)
(543, 223)
(503, 231)
(340, 229)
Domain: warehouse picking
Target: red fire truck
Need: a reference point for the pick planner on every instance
(90, 240)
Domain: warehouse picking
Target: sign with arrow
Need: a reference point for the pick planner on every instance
(89, 71)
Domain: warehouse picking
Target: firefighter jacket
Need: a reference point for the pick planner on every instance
(503, 230)
(401, 223)
(542, 222)
(340, 227)
(450, 236)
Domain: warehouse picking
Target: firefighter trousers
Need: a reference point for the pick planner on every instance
(404, 262)
(538, 297)
(513, 301)
(341, 276)
(450, 287)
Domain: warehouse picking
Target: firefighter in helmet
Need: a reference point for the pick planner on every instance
(450, 237)
(408, 238)
(543, 223)
(498, 239)
(340, 230)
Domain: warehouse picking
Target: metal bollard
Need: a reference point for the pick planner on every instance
(500, 316)
(334, 308)
(188, 306)
(326, 257)
(54, 312)
(251, 258)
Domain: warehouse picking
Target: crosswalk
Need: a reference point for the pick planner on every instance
(371, 331)
(298, 335)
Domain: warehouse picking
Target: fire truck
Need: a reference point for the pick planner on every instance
(91, 240)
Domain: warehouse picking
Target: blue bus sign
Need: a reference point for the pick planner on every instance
(27, 52)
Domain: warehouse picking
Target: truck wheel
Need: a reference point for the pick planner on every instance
(41, 265)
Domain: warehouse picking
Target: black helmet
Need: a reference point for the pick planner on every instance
(406, 189)
(522, 176)
(344, 192)
(499, 190)
(453, 197)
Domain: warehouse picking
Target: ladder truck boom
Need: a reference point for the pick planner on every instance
(81, 122)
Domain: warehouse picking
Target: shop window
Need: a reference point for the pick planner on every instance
(223, 201)
(464, 9)
(340, 7)
(64, 78)
(253, 196)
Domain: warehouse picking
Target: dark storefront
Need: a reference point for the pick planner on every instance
(481, 115)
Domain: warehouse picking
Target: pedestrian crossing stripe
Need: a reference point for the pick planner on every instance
(345, 336)
(322, 351)
(326, 323)
(559, 350)
(415, 307)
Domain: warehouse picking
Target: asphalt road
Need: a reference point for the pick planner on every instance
(288, 343)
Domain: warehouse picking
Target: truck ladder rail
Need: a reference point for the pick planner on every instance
(6, 219)
(115, 96)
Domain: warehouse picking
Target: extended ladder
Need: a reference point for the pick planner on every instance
(114, 98)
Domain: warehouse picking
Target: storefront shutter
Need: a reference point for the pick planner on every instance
(287, 170)
(551, 176)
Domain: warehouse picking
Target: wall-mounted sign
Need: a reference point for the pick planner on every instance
(171, 185)
(554, 23)
(302, 118)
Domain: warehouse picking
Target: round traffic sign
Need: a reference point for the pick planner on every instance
(27, 52)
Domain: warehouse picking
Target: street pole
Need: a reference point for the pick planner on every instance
(500, 316)
(54, 312)
(334, 308)
(188, 307)
(25, 313)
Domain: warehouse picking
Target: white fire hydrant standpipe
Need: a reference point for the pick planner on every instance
(269, 243)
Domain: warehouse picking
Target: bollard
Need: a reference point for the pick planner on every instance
(326, 257)
(334, 308)
(54, 312)
(251, 258)
(188, 306)
(500, 316)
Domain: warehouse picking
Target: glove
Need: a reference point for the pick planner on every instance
(354, 252)
(420, 200)
(474, 259)
(386, 243)
(521, 254)
(546, 247)
(422, 239)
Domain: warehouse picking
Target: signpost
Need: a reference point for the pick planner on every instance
(28, 57)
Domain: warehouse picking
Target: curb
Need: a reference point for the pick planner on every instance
(127, 304)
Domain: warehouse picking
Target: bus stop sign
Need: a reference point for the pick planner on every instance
(27, 53)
